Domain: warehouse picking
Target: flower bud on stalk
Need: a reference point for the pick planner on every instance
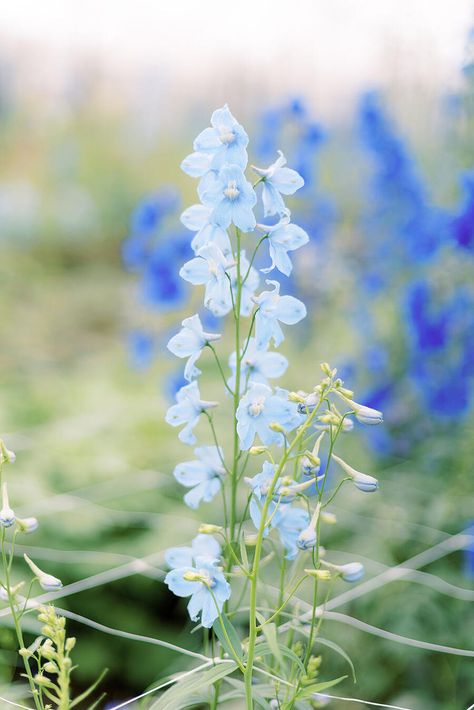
(362, 481)
(350, 572)
(47, 581)
(7, 516)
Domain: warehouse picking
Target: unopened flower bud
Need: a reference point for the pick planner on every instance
(27, 525)
(362, 481)
(307, 538)
(70, 643)
(275, 426)
(6, 456)
(25, 652)
(250, 539)
(209, 529)
(297, 396)
(47, 581)
(325, 367)
(50, 667)
(329, 518)
(7, 516)
(350, 572)
(257, 450)
(365, 415)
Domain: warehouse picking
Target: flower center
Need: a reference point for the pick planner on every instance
(226, 137)
(206, 578)
(257, 406)
(232, 191)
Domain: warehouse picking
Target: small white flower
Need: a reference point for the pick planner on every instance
(27, 525)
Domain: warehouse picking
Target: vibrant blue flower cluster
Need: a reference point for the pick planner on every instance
(407, 242)
(230, 283)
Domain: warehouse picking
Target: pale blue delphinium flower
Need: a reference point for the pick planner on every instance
(225, 141)
(258, 409)
(189, 342)
(282, 238)
(277, 181)
(260, 485)
(231, 196)
(258, 365)
(248, 288)
(195, 573)
(197, 219)
(209, 269)
(203, 475)
(290, 521)
(273, 308)
(187, 410)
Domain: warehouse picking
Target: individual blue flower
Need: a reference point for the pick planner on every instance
(248, 289)
(290, 521)
(260, 485)
(189, 342)
(224, 142)
(195, 573)
(209, 269)
(282, 238)
(231, 196)
(203, 475)
(197, 219)
(273, 308)
(187, 410)
(258, 409)
(258, 365)
(277, 181)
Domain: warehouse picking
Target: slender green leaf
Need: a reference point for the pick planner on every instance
(89, 690)
(176, 697)
(309, 690)
(335, 647)
(263, 649)
(270, 633)
(226, 634)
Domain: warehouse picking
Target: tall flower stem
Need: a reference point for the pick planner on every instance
(248, 675)
(238, 367)
(16, 624)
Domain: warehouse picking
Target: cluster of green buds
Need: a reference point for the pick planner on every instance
(55, 664)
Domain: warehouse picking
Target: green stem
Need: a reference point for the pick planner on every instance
(248, 676)
(18, 630)
(236, 394)
(221, 371)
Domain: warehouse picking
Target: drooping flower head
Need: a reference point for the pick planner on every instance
(282, 238)
(187, 410)
(195, 573)
(189, 342)
(277, 180)
(273, 308)
(203, 475)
